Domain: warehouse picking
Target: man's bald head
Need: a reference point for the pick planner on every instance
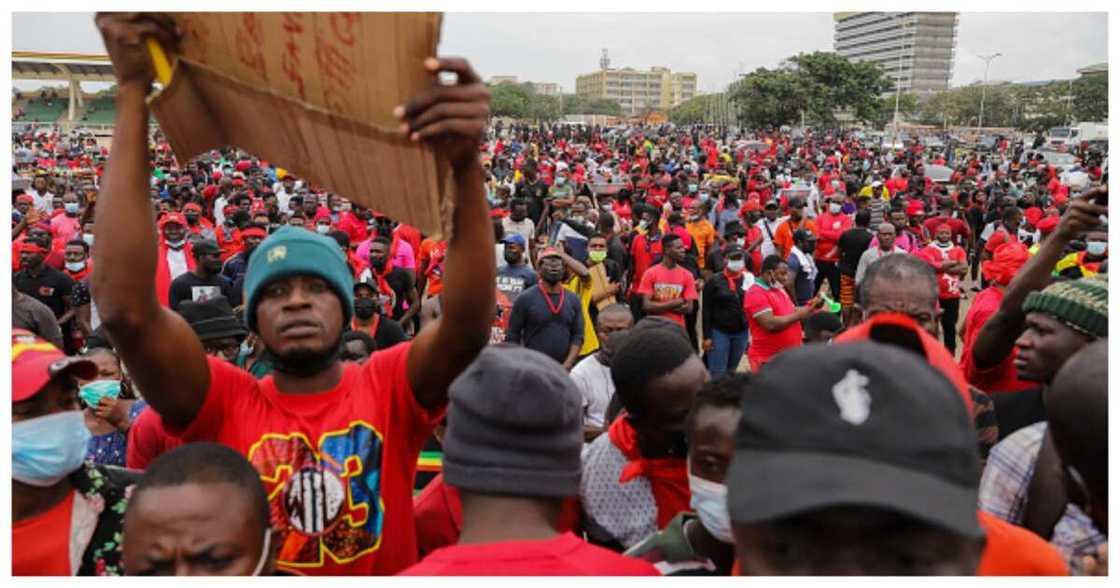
(1077, 412)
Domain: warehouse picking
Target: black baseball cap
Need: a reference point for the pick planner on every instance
(869, 425)
(796, 202)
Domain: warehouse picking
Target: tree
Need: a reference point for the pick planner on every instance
(510, 100)
(544, 108)
(814, 85)
(883, 114)
(576, 104)
(768, 98)
(1090, 98)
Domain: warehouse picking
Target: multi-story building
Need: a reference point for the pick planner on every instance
(546, 88)
(638, 91)
(914, 49)
(542, 88)
(502, 80)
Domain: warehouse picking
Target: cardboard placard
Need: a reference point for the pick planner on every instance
(312, 92)
(599, 284)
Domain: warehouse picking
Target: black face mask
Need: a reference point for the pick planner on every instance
(377, 264)
(513, 258)
(364, 308)
(552, 277)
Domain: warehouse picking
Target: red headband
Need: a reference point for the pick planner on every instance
(33, 248)
(254, 232)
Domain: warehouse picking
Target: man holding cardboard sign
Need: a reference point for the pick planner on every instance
(336, 445)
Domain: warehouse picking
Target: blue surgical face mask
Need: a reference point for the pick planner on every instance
(70, 207)
(1096, 247)
(46, 449)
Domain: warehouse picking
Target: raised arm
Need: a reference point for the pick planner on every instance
(163, 355)
(997, 337)
(454, 119)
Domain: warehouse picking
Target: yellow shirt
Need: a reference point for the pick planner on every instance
(866, 191)
(582, 289)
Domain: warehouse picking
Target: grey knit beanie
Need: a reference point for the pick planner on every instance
(514, 426)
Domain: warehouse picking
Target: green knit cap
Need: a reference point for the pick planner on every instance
(292, 251)
(1081, 305)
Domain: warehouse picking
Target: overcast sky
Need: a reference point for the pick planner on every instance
(557, 47)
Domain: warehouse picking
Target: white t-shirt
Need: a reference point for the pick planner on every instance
(767, 247)
(42, 202)
(176, 262)
(594, 382)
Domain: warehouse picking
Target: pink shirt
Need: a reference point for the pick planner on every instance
(65, 227)
(405, 257)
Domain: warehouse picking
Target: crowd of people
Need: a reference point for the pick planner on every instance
(712, 351)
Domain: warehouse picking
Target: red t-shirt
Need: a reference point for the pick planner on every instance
(765, 344)
(948, 285)
(643, 253)
(41, 544)
(999, 237)
(1000, 377)
(564, 555)
(1015, 551)
(147, 440)
(338, 465)
(661, 283)
(829, 228)
(957, 226)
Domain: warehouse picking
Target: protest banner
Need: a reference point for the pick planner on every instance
(312, 92)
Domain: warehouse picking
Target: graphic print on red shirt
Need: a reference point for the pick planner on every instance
(338, 465)
(661, 284)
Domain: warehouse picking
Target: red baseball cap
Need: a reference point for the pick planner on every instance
(548, 252)
(173, 217)
(1047, 225)
(25, 198)
(192, 206)
(915, 208)
(36, 361)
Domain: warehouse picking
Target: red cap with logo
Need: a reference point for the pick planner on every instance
(36, 361)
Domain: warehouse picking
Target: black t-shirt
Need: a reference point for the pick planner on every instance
(533, 324)
(852, 244)
(49, 287)
(1017, 410)
(389, 333)
(400, 280)
(191, 288)
(534, 193)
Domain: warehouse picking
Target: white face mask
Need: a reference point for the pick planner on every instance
(709, 501)
(735, 265)
(88, 238)
(75, 266)
(835, 208)
(322, 229)
(1096, 247)
(741, 241)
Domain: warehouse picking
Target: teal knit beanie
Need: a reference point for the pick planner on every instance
(1081, 305)
(292, 251)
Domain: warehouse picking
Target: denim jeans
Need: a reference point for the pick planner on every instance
(727, 350)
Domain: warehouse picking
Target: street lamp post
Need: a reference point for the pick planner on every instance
(984, 89)
(898, 78)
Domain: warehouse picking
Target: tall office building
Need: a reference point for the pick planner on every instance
(914, 49)
(637, 91)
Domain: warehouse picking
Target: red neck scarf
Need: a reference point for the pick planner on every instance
(668, 476)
